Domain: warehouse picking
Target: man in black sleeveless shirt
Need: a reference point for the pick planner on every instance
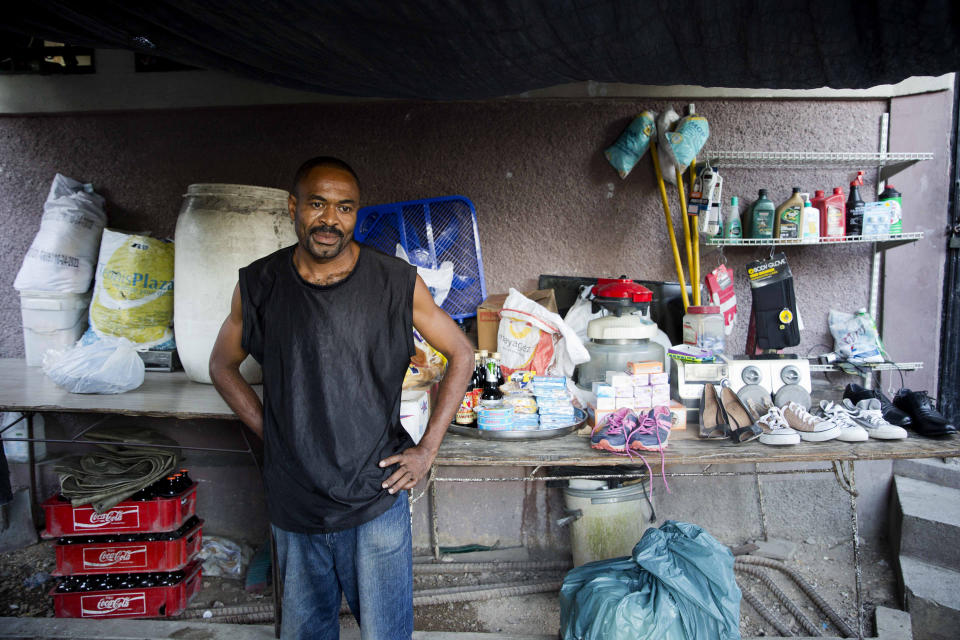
(330, 321)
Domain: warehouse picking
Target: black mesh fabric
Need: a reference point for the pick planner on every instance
(450, 49)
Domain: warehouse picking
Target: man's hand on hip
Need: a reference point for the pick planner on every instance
(412, 465)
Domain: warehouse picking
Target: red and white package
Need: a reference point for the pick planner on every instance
(720, 287)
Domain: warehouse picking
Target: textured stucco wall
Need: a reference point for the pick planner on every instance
(547, 200)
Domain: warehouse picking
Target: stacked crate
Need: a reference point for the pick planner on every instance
(136, 560)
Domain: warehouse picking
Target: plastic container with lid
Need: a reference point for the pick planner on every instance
(616, 341)
(703, 327)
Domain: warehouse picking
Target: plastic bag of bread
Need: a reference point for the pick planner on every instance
(425, 366)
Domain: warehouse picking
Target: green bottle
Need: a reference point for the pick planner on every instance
(762, 217)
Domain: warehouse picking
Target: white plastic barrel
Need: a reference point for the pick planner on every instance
(51, 320)
(610, 523)
(221, 228)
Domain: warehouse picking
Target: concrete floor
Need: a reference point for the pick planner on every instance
(891, 625)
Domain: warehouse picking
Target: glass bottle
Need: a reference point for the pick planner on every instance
(491, 390)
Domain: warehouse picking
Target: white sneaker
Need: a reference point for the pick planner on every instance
(850, 431)
(867, 413)
(811, 428)
(776, 431)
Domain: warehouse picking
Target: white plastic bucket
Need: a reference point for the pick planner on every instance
(610, 523)
(51, 320)
(19, 451)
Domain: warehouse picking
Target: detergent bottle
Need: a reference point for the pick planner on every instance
(788, 215)
(731, 219)
(855, 205)
(762, 216)
(833, 215)
(896, 219)
(810, 219)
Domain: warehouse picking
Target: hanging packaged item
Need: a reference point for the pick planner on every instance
(632, 143)
(133, 292)
(63, 254)
(774, 303)
(855, 336)
(722, 294)
(704, 201)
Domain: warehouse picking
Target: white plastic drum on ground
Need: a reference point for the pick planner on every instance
(606, 523)
(221, 228)
(51, 320)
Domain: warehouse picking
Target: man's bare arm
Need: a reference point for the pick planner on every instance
(442, 333)
(225, 360)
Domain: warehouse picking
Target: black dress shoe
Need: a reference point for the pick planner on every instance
(892, 414)
(927, 420)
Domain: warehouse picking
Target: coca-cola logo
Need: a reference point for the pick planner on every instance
(122, 518)
(113, 605)
(127, 557)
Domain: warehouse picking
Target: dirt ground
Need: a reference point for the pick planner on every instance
(25, 581)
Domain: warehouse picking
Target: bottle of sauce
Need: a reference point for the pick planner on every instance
(833, 215)
(788, 214)
(762, 216)
(496, 357)
(491, 389)
(855, 205)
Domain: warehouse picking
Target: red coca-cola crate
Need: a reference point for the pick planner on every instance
(159, 514)
(144, 602)
(129, 557)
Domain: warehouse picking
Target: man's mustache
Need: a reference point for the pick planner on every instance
(326, 229)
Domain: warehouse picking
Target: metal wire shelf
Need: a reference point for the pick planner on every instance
(885, 241)
(876, 366)
(889, 163)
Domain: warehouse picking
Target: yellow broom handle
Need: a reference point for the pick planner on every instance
(686, 223)
(695, 268)
(670, 234)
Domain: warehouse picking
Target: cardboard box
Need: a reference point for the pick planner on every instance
(678, 416)
(647, 366)
(488, 314)
(606, 403)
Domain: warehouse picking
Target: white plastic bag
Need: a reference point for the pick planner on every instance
(224, 557)
(438, 281)
(581, 313)
(855, 336)
(532, 338)
(63, 254)
(109, 365)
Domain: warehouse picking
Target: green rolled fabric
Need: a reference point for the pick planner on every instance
(111, 474)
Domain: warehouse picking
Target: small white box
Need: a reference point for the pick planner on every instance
(643, 395)
(625, 391)
(618, 379)
(623, 403)
(640, 379)
(659, 378)
(414, 413)
(661, 394)
(602, 390)
(606, 403)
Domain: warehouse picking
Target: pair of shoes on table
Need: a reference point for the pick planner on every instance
(850, 429)
(724, 414)
(805, 425)
(624, 430)
(927, 421)
(868, 413)
(891, 412)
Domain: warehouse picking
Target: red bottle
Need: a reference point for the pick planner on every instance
(833, 214)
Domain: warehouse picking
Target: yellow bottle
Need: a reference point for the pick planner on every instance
(788, 216)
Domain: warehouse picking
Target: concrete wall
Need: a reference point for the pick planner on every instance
(547, 202)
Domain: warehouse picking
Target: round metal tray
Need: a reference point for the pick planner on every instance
(580, 417)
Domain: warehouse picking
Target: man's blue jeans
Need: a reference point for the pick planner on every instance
(372, 565)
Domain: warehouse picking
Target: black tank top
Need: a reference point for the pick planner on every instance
(333, 361)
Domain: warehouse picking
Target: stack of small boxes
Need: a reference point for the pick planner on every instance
(642, 386)
(553, 403)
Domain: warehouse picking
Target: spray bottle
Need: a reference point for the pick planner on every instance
(731, 219)
(855, 206)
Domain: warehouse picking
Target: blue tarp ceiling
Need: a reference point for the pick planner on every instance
(448, 49)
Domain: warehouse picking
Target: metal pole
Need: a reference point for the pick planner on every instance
(32, 464)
